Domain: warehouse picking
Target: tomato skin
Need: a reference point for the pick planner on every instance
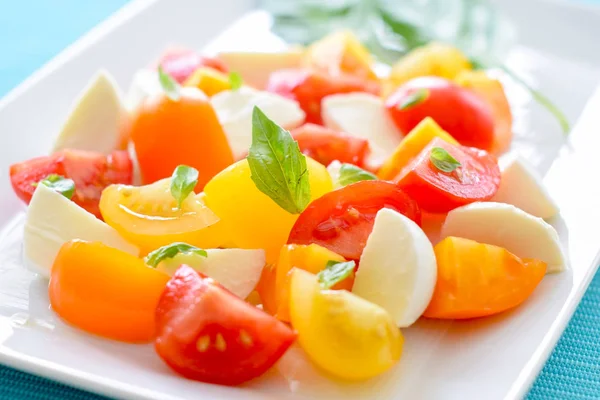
(477, 179)
(91, 172)
(208, 334)
(326, 145)
(460, 112)
(309, 87)
(182, 63)
(342, 220)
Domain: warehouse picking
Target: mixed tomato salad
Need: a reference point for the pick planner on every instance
(234, 205)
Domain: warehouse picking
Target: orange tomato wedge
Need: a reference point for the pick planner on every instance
(476, 279)
(105, 291)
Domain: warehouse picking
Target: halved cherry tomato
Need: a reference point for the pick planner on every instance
(167, 133)
(460, 112)
(436, 191)
(181, 63)
(326, 145)
(150, 217)
(208, 334)
(312, 258)
(90, 171)
(309, 87)
(343, 219)
(105, 291)
(476, 279)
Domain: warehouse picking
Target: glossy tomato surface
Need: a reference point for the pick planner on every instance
(460, 112)
(342, 220)
(309, 87)
(91, 172)
(326, 145)
(476, 179)
(208, 334)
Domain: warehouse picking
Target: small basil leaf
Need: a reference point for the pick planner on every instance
(59, 184)
(350, 173)
(235, 80)
(335, 272)
(170, 251)
(183, 182)
(413, 99)
(169, 85)
(442, 160)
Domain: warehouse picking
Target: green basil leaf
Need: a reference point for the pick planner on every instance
(170, 251)
(169, 85)
(350, 173)
(59, 184)
(335, 272)
(413, 99)
(183, 182)
(442, 160)
(278, 168)
(235, 80)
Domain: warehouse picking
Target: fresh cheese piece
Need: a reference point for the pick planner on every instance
(96, 119)
(52, 220)
(507, 226)
(145, 83)
(522, 187)
(234, 109)
(236, 269)
(397, 268)
(256, 67)
(362, 115)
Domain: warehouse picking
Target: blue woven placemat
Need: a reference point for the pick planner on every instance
(32, 32)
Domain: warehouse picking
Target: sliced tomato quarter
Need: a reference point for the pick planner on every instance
(476, 179)
(208, 334)
(343, 219)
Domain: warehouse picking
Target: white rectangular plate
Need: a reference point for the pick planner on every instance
(491, 358)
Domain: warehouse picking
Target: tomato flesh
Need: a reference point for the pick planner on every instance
(436, 191)
(326, 145)
(460, 112)
(181, 64)
(208, 334)
(342, 220)
(309, 87)
(91, 172)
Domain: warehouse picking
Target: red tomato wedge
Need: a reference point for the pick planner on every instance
(208, 334)
(181, 63)
(460, 112)
(90, 171)
(436, 191)
(343, 219)
(309, 87)
(326, 145)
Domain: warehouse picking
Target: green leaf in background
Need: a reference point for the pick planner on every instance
(170, 251)
(335, 272)
(168, 84)
(350, 173)
(59, 184)
(235, 80)
(278, 168)
(414, 98)
(183, 182)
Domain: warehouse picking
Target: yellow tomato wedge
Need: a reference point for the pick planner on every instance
(411, 146)
(343, 334)
(209, 80)
(312, 258)
(433, 59)
(148, 216)
(252, 218)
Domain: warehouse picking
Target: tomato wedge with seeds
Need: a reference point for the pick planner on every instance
(208, 334)
(91, 172)
(326, 145)
(343, 219)
(436, 191)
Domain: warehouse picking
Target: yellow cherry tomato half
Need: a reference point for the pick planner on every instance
(149, 217)
(343, 334)
(105, 291)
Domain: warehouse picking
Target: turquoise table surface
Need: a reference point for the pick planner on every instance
(33, 31)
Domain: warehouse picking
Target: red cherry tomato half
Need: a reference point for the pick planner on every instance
(90, 171)
(182, 63)
(343, 219)
(326, 145)
(460, 112)
(309, 87)
(436, 191)
(208, 334)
